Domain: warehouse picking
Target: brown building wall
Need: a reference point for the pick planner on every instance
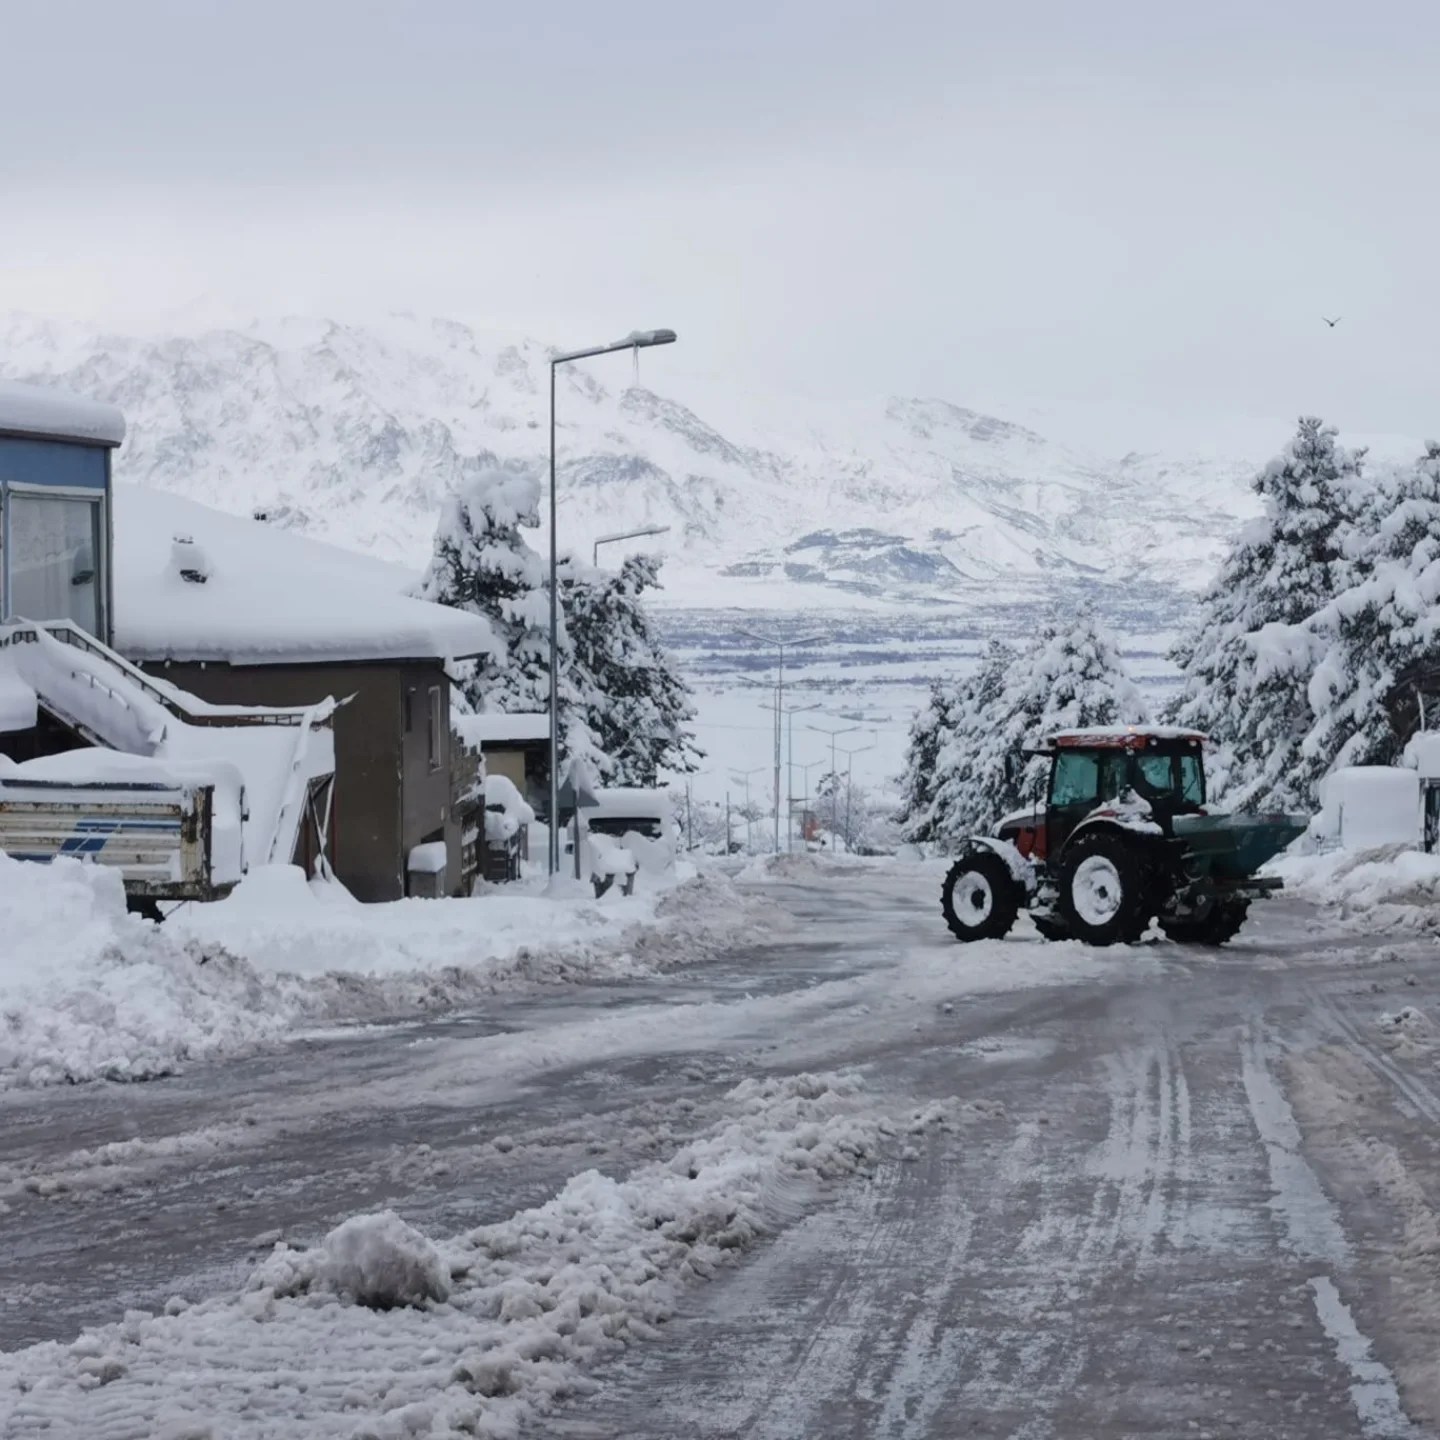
(388, 794)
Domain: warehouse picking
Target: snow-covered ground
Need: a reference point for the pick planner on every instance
(849, 1179)
(1390, 886)
(380, 1332)
(88, 991)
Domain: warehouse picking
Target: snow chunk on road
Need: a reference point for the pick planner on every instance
(375, 1260)
(534, 1300)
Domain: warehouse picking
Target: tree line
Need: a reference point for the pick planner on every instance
(1315, 646)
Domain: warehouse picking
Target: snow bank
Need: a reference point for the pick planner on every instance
(803, 866)
(89, 992)
(1391, 884)
(533, 1301)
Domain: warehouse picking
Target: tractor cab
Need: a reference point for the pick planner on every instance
(1111, 765)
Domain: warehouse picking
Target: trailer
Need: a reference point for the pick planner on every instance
(159, 837)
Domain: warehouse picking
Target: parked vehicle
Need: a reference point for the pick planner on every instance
(1123, 838)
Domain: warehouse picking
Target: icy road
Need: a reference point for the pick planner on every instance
(1044, 1192)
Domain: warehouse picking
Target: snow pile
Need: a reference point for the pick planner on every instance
(1391, 884)
(799, 868)
(359, 1338)
(88, 991)
(506, 810)
(373, 1260)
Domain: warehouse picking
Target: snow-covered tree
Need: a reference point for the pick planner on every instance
(631, 691)
(848, 812)
(1073, 675)
(625, 709)
(1369, 655)
(481, 563)
(1246, 666)
(928, 731)
(969, 780)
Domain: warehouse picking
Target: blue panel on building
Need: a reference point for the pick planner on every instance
(24, 461)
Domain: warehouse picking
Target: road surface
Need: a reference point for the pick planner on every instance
(1181, 1193)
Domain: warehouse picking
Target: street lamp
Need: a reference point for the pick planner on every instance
(781, 646)
(635, 340)
(834, 734)
(743, 778)
(850, 755)
(625, 535)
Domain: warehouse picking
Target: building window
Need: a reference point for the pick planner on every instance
(435, 718)
(53, 545)
(407, 709)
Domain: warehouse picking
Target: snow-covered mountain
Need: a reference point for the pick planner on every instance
(355, 434)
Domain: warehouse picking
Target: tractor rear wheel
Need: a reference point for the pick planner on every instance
(1104, 889)
(1221, 922)
(980, 897)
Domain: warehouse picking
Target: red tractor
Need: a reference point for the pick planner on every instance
(1123, 839)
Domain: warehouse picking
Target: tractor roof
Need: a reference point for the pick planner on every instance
(1117, 737)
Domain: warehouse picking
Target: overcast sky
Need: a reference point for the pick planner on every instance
(1114, 206)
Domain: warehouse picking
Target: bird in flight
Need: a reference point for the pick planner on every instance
(1332, 323)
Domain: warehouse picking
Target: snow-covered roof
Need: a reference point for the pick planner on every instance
(495, 728)
(57, 415)
(623, 804)
(268, 597)
(1118, 735)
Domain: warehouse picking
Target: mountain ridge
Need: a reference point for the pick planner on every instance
(356, 433)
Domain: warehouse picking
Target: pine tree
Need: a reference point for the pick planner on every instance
(932, 723)
(481, 563)
(965, 780)
(1248, 661)
(1073, 675)
(630, 690)
(1372, 649)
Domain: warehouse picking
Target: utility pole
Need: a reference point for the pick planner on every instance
(728, 841)
(785, 722)
(744, 779)
(779, 706)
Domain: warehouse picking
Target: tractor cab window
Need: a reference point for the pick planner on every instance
(1075, 779)
(1192, 780)
(1155, 776)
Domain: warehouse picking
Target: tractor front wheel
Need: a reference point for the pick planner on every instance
(980, 897)
(1221, 922)
(1104, 890)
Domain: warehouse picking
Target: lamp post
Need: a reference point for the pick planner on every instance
(778, 707)
(834, 734)
(636, 340)
(743, 778)
(624, 535)
(850, 777)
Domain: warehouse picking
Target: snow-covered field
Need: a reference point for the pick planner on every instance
(88, 991)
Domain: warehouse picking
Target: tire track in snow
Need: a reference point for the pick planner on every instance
(1415, 1095)
(1314, 1232)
